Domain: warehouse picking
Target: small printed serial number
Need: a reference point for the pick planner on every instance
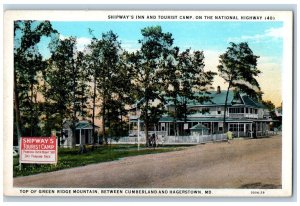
(270, 18)
(257, 192)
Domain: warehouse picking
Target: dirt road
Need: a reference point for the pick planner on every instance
(254, 163)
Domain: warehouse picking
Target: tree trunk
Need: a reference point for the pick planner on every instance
(17, 109)
(146, 133)
(175, 118)
(36, 115)
(94, 105)
(61, 131)
(74, 103)
(31, 110)
(74, 134)
(103, 119)
(146, 123)
(185, 116)
(225, 107)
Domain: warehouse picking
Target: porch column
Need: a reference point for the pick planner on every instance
(238, 129)
(80, 136)
(129, 127)
(251, 130)
(256, 128)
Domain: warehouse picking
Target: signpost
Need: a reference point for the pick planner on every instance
(39, 150)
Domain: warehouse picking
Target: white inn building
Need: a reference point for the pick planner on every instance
(245, 117)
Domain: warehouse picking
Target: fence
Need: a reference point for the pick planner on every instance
(163, 139)
(257, 134)
(170, 140)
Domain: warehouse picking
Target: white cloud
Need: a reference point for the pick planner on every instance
(131, 46)
(269, 34)
(62, 37)
(80, 42)
(275, 32)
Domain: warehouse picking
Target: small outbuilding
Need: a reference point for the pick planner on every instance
(83, 133)
(198, 130)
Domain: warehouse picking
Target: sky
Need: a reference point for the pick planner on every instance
(264, 38)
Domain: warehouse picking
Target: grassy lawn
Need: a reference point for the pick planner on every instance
(70, 157)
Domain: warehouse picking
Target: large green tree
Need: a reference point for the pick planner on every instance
(28, 64)
(149, 64)
(94, 61)
(67, 68)
(111, 81)
(238, 67)
(109, 63)
(122, 95)
(188, 82)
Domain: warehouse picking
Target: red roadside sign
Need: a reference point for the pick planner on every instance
(41, 150)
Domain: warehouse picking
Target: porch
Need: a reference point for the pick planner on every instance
(239, 128)
(172, 140)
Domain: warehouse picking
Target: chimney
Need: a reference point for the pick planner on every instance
(218, 90)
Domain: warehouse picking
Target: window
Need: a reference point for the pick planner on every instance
(220, 129)
(206, 125)
(236, 127)
(205, 110)
(236, 110)
(77, 136)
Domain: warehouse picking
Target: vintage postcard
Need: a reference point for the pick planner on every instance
(148, 103)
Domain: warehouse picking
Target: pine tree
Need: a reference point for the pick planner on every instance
(188, 82)
(108, 79)
(238, 67)
(67, 69)
(28, 64)
(149, 65)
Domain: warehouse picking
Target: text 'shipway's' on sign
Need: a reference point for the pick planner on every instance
(41, 150)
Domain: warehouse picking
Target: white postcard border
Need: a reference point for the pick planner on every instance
(287, 87)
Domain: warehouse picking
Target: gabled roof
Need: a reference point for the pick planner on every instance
(250, 102)
(219, 99)
(79, 125)
(216, 98)
(84, 124)
(198, 127)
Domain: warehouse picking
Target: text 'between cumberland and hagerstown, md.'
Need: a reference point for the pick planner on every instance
(40, 150)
